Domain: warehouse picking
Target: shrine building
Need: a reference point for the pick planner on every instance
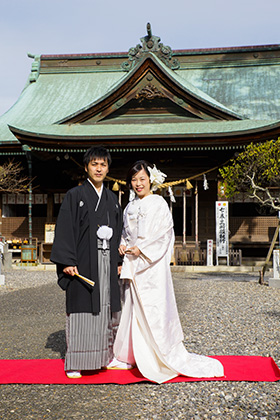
(186, 111)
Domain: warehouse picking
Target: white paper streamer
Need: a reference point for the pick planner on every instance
(171, 195)
(205, 183)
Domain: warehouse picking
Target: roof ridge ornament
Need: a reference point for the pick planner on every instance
(35, 67)
(150, 43)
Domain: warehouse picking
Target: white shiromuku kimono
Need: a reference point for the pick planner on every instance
(150, 333)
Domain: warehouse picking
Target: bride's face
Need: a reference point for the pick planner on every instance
(140, 183)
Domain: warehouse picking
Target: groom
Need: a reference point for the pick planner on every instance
(81, 248)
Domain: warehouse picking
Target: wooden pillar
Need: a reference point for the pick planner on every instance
(120, 197)
(29, 162)
(171, 206)
(196, 256)
(184, 216)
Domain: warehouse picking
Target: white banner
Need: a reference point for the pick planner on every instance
(222, 240)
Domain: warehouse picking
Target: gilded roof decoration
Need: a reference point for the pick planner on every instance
(149, 92)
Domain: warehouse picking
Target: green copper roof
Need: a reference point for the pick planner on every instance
(127, 131)
(53, 97)
(193, 89)
(253, 91)
(250, 88)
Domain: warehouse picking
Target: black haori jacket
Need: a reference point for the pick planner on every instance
(75, 244)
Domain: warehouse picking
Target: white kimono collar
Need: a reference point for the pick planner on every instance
(99, 193)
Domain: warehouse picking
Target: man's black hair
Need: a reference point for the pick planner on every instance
(97, 152)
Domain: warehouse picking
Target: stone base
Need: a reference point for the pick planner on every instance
(274, 283)
(2, 279)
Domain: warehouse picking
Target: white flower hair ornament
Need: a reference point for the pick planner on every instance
(156, 177)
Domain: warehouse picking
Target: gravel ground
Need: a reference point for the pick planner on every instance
(220, 314)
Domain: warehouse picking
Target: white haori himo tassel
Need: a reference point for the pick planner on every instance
(104, 233)
(205, 183)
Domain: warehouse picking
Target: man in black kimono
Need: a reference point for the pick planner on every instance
(86, 242)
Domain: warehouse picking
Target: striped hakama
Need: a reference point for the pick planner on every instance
(90, 337)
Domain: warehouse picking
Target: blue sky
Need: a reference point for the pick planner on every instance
(88, 26)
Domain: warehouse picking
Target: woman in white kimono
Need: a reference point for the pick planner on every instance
(150, 334)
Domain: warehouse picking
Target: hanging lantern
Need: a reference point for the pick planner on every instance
(116, 187)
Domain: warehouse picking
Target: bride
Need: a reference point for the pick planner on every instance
(150, 334)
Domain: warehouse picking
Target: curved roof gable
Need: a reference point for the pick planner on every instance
(152, 81)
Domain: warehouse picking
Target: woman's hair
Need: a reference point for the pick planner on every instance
(136, 167)
(97, 152)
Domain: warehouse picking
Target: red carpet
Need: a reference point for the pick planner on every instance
(51, 371)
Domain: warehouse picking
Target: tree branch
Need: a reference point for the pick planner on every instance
(11, 180)
(270, 201)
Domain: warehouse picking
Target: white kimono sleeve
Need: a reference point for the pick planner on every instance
(155, 233)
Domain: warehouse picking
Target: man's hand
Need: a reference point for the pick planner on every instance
(71, 271)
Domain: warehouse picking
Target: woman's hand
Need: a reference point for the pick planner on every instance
(122, 249)
(71, 271)
(134, 250)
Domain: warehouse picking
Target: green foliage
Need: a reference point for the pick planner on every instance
(260, 161)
